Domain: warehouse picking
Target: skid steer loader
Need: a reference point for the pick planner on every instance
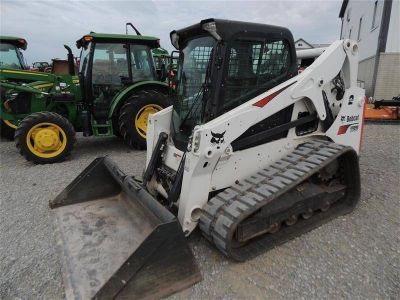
(251, 153)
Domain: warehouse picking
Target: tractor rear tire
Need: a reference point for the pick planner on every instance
(7, 131)
(134, 113)
(45, 138)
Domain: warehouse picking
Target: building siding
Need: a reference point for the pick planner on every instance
(380, 79)
(365, 75)
(369, 35)
(393, 39)
(388, 76)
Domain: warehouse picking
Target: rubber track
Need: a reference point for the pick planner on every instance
(225, 211)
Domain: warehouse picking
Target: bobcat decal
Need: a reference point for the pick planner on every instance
(217, 138)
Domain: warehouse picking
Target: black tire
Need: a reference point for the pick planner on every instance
(34, 119)
(6, 131)
(131, 109)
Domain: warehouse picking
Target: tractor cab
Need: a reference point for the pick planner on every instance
(243, 58)
(11, 56)
(111, 62)
(161, 58)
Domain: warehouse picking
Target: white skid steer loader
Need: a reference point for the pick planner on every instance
(251, 153)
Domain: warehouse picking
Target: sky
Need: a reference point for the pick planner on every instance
(49, 24)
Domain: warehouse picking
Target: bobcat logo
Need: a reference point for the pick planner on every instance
(351, 100)
(217, 138)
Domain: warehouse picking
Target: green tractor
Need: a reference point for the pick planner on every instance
(11, 58)
(117, 88)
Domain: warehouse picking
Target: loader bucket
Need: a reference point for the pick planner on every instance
(117, 241)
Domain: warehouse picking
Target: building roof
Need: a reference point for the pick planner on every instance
(311, 45)
(320, 45)
(343, 8)
(304, 41)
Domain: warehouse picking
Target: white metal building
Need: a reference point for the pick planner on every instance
(375, 25)
(301, 44)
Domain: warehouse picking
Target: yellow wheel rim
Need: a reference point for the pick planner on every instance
(9, 124)
(46, 140)
(143, 115)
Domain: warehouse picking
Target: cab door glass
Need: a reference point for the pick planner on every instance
(109, 72)
(142, 63)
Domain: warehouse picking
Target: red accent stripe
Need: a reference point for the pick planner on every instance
(264, 101)
(343, 129)
(362, 123)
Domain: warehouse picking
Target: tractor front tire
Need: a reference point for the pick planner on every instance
(45, 137)
(7, 130)
(134, 114)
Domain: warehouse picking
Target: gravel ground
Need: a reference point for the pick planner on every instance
(354, 257)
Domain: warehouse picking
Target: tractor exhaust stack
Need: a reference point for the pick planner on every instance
(117, 241)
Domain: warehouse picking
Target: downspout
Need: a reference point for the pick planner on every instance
(341, 29)
(382, 38)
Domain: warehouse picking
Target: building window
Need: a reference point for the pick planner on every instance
(359, 30)
(350, 34)
(374, 16)
(300, 44)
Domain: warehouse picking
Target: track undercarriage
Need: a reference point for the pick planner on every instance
(313, 184)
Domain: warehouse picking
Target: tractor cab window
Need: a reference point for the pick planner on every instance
(254, 66)
(110, 65)
(110, 73)
(84, 58)
(142, 63)
(10, 57)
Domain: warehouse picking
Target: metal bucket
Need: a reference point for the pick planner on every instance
(117, 241)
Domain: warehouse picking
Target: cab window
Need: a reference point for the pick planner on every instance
(142, 63)
(9, 57)
(110, 64)
(254, 66)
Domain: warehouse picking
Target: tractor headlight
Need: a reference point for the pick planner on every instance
(211, 27)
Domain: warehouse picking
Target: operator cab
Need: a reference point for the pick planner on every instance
(223, 64)
(110, 62)
(11, 56)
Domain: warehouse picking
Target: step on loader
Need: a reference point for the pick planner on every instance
(251, 153)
